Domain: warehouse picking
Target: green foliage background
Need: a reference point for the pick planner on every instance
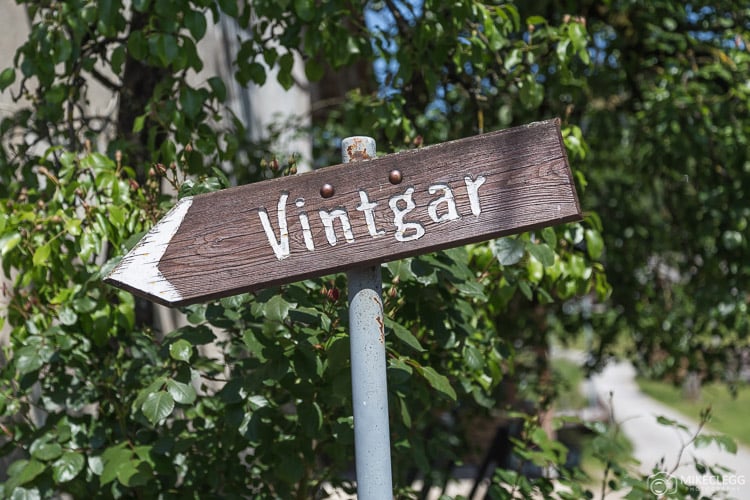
(653, 97)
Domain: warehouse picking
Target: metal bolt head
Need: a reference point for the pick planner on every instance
(326, 191)
(395, 176)
(357, 148)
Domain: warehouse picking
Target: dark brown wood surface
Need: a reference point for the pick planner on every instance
(221, 247)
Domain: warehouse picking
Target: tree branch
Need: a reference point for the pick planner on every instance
(106, 82)
(401, 24)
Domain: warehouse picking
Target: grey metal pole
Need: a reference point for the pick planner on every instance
(372, 446)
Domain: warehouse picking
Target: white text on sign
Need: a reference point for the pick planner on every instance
(441, 208)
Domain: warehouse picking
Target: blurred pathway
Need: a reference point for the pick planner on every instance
(653, 442)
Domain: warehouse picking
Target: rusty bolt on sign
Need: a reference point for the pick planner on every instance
(357, 148)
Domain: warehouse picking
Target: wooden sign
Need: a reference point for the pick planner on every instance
(291, 228)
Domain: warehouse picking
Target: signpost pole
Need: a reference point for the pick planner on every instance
(369, 387)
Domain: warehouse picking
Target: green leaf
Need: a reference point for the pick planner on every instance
(28, 359)
(313, 70)
(41, 255)
(73, 227)
(473, 358)
(115, 459)
(108, 12)
(195, 22)
(578, 36)
(191, 101)
(257, 401)
(164, 47)
(117, 215)
(562, 49)
(425, 273)
(531, 93)
(218, 88)
(305, 9)
(662, 420)
(535, 270)
(292, 470)
(67, 316)
(158, 406)
(401, 269)
(45, 451)
(727, 443)
(254, 72)
(24, 494)
(277, 309)
(9, 242)
(399, 371)
(118, 59)
(352, 46)
(30, 471)
(437, 381)
(67, 467)
(139, 123)
(526, 289)
(181, 350)
(138, 45)
(549, 237)
(284, 75)
(542, 253)
(404, 335)
(722, 441)
(127, 472)
(230, 7)
(472, 289)
(310, 418)
(7, 77)
(513, 11)
(196, 335)
(253, 345)
(154, 386)
(533, 20)
(84, 305)
(405, 415)
(594, 243)
(544, 296)
(182, 393)
(508, 251)
(513, 59)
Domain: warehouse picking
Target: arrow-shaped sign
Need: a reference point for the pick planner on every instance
(291, 228)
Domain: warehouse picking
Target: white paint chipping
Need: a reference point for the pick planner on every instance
(280, 247)
(327, 219)
(139, 269)
(304, 220)
(399, 214)
(368, 207)
(472, 186)
(447, 199)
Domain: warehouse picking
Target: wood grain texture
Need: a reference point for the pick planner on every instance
(221, 247)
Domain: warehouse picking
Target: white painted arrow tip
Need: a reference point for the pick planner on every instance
(138, 271)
